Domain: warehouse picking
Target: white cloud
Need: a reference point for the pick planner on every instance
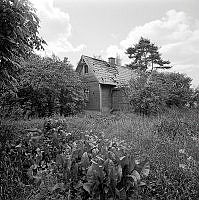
(113, 50)
(55, 28)
(173, 27)
(63, 45)
(176, 34)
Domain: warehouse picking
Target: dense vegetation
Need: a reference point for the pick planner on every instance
(31, 86)
(153, 92)
(101, 157)
(47, 86)
(53, 156)
(18, 38)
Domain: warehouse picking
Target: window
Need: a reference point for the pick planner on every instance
(86, 94)
(85, 69)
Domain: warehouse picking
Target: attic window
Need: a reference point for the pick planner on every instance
(85, 69)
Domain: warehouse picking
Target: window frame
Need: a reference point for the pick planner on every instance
(85, 69)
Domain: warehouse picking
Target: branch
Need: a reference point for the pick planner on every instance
(164, 67)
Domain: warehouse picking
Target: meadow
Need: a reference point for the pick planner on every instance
(164, 147)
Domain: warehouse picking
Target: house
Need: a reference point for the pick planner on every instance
(104, 81)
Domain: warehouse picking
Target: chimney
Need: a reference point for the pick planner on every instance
(118, 60)
(112, 61)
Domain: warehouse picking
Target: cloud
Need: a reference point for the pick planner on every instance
(177, 35)
(55, 28)
(113, 50)
(171, 28)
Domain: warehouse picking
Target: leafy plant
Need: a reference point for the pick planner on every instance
(18, 37)
(77, 166)
(72, 158)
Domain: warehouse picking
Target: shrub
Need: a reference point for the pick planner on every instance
(48, 86)
(145, 94)
(150, 93)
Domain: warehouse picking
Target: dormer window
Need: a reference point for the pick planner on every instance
(85, 69)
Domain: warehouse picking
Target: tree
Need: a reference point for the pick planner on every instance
(47, 86)
(177, 88)
(145, 55)
(152, 92)
(194, 100)
(18, 37)
(60, 88)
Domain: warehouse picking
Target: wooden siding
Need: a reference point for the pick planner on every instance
(93, 87)
(94, 96)
(106, 91)
(88, 77)
(119, 100)
(101, 80)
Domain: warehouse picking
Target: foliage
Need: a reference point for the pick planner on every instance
(77, 166)
(174, 161)
(18, 37)
(179, 89)
(47, 86)
(150, 93)
(194, 102)
(145, 55)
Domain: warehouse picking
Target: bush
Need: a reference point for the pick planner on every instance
(151, 93)
(48, 86)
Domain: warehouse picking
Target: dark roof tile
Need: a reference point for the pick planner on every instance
(107, 74)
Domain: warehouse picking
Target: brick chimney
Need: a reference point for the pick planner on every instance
(112, 61)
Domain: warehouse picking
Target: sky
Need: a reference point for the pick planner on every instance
(106, 28)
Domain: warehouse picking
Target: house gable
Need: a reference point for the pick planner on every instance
(101, 79)
(93, 90)
(86, 71)
(104, 72)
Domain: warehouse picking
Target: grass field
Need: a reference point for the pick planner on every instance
(169, 141)
(158, 137)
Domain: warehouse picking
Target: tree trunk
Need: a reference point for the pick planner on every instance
(151, 65)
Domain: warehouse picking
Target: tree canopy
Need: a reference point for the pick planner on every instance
(47, 86)
(18, 37)
(145, 56)
(152, 92)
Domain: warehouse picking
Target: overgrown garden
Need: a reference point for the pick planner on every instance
(51, 149)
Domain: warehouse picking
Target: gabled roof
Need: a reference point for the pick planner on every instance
(106, 73)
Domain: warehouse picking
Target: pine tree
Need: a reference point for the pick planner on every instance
(145, 55)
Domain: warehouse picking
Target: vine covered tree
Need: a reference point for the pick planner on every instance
(145, 56)
(18, 37)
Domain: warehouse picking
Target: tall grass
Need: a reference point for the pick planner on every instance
(160, 137)
(170, 141)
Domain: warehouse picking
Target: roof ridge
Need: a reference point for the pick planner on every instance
(115, 65)
(124, 66)
(94, 58)
(106, 73)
